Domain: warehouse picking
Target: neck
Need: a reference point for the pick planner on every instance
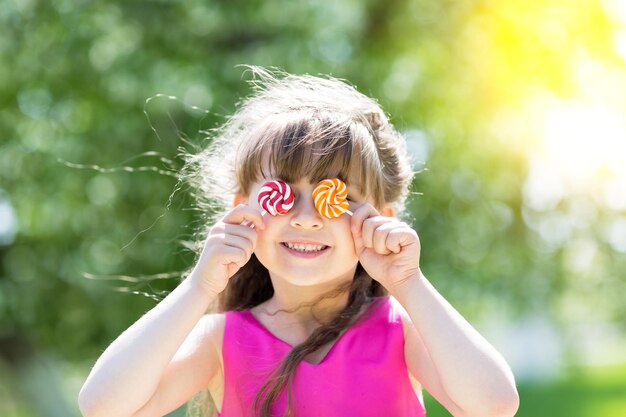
(298, 303)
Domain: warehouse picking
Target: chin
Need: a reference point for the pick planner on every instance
(308, 278)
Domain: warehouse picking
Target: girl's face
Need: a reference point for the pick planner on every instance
(302, 247)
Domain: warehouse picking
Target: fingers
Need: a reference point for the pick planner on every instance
(360, 215)
(233, 238)
(237, 223)
(243, 213)
(239, 230)
(234, 255)
(356, 225)
(384, 235)
(401, 237)
(378, 236)
(242, 243)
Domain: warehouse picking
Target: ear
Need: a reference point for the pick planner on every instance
(388, 210)
(239, 199)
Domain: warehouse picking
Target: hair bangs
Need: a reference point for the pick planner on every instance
(294, 146)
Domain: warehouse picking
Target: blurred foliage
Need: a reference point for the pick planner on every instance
(97, 97)
(578, 393)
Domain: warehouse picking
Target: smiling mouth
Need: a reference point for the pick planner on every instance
(304, 248)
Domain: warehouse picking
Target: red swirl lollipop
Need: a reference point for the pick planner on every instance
(275, 198)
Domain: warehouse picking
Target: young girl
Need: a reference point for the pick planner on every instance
(319, 313)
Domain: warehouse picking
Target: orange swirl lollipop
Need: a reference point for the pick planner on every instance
(330, 198)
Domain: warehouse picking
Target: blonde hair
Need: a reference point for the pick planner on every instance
(298, 126)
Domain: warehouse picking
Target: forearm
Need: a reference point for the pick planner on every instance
(473, 374)
(128, 372)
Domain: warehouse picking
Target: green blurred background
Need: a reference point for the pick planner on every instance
(514, 113)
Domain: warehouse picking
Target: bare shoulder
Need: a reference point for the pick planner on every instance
(213, 326)
(196, 365)
(204, 344)
(410, 340)
(406, 320)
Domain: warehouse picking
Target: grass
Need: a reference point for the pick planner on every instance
(581, 392)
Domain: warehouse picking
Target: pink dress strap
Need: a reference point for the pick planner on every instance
(364, 374)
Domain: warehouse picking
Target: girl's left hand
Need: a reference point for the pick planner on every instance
(388, 249)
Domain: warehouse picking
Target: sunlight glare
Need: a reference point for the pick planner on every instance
(585, 143)
(620, 43)
(615, 9)
(580, 150)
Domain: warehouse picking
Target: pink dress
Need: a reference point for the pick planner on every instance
(364, 373)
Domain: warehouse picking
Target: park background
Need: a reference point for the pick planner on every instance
(514, 114)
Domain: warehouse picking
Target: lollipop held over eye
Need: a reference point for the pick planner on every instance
(275, 198)
(330, 198)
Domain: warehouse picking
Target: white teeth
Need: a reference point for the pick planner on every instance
(304, 248)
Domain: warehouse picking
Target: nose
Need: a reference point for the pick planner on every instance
(304, 215)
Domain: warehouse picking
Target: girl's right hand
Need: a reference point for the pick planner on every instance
(228, 247)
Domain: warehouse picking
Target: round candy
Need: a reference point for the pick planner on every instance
(330, 196)
(276, 197)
